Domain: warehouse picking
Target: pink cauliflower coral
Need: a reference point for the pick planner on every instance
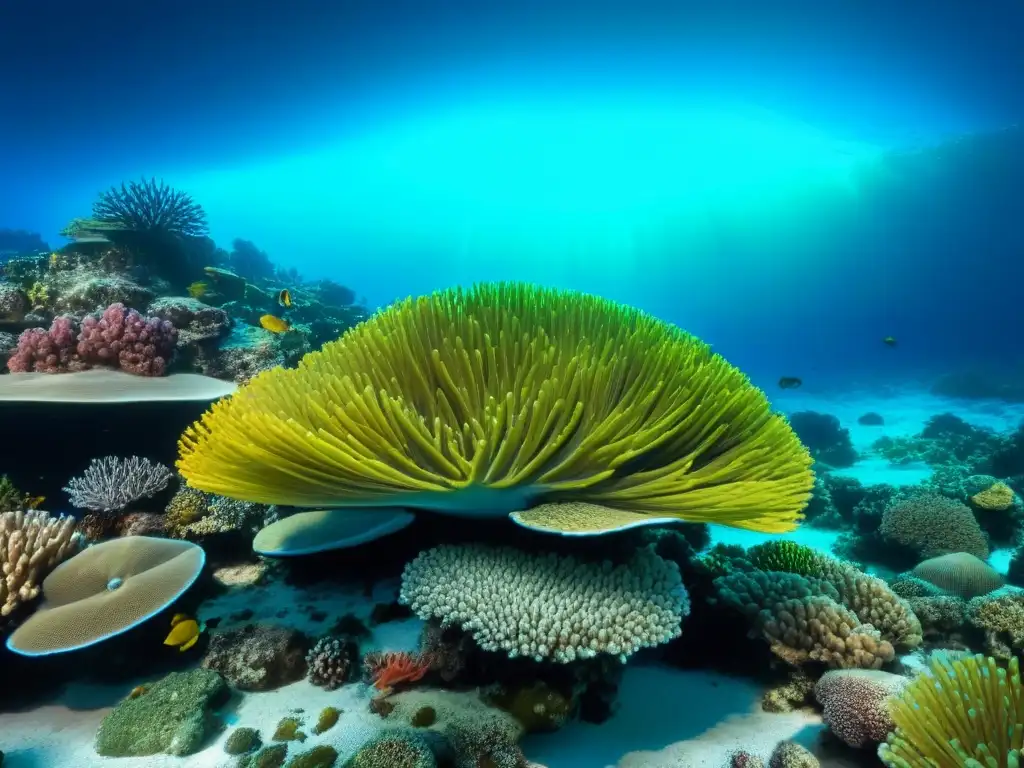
(119, 338)
(123, 338)
(45, 351)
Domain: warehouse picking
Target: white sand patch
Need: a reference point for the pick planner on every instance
(672, 718)
(297, 607)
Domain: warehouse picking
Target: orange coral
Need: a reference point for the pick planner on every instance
(389, 669)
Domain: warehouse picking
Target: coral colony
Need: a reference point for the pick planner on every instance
(409, 539)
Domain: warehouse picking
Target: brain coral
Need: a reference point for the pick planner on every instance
(503, 397)
(856, 705)
(959, 574)
(960, 714)
(933, 525)
(547, 606)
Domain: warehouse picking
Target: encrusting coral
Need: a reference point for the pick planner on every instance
(548, 606)
(515, 395)
(998, 497)
(959, 714)
(32, 543)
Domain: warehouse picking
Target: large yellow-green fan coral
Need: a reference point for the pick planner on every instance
(967, 713)
(577, 414)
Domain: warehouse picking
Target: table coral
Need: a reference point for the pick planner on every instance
(548, 606)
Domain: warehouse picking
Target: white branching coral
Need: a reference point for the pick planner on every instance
(110, 484)
(548, 606)
(32, 543)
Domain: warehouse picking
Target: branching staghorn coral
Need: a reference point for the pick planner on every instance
(548, 606)
(111, 483)
(500, 399)
(960, 714)
(32, 543)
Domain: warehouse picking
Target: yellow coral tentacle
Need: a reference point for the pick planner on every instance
(541, 395)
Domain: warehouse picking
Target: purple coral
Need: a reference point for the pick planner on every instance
(112, 483)
(45, 351)
(125, 339)
(118, 338)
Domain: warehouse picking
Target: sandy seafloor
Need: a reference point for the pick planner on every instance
(666, 718)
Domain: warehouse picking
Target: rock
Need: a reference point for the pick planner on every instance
(242, 740)
(174, 716)
(13, 303)
(258, 657)
(195, 321)
(83, 290)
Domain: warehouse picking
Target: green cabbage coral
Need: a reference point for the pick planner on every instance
(961, 714)
(788, 556)
(575, 414)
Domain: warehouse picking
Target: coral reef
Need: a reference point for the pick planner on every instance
(588, 608)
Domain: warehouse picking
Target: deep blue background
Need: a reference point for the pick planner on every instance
(91, 92)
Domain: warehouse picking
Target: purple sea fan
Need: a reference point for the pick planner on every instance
(110, 484)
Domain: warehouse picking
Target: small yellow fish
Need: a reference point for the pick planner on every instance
(198, 289)
(274, 324)
(54, 260)
(33, 502)
(185, 632)
(284, 298)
